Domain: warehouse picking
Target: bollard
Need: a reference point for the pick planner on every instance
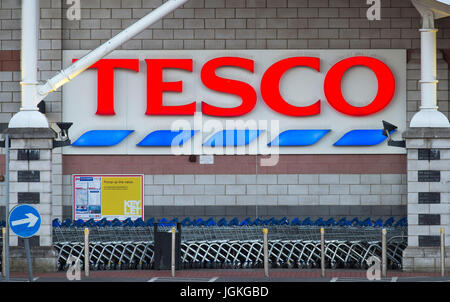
(322, 251)
(173, 252)
(3, 251)
(86, 252)
(442, 252)
(383, 254)
(266, 250)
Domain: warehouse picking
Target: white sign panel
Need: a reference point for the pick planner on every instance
(206, 159)
(327, 90)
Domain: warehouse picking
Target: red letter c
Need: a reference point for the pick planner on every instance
(270, 86)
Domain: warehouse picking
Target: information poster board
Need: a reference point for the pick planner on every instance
(108, 196)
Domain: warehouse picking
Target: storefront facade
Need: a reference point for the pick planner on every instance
(313, 39)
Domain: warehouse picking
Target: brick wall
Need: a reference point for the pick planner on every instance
(219, 24)
(253, 194)
(366, 182)
(245, 24)
(242, 164)
(225, 24)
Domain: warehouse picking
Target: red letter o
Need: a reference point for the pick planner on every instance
(333, 91)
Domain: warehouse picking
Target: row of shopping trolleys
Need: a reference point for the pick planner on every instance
(233, 254)
(211, 221)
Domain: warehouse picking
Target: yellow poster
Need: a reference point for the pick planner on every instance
(122, 196)
(108, 196)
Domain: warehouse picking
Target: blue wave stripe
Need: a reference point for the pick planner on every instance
(232, 138)
(299, 137)
(167, 138)
(365, 137)
(101, 138)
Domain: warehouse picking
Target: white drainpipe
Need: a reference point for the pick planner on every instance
(29, 116)
(428, 115)
(32, 94)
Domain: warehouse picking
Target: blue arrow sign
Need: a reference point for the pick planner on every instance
(24, 220)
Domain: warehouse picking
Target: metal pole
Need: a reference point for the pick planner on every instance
(3, 251)
(6, 246)
(266, 252)
(27, 250)
(442, 252)
(173, 252)
(29, 54)
(383, 254)
(322, 251)
(29, 115)
(86, 252)
(428, 114)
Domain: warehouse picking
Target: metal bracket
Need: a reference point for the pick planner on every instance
(2, 143)
(388, 128)
(58, 144)
(401, 144)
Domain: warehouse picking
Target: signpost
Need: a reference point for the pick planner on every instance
(25, 221)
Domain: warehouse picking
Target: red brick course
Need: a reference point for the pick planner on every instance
(9, 60)
(237, 273)
(243, 164)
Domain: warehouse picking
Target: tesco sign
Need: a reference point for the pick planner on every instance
(146, 91)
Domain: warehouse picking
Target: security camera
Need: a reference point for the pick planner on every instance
(388, 129)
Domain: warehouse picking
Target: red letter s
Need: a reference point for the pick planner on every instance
(241, 89)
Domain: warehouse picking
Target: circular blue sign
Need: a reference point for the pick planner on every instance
(24, 220)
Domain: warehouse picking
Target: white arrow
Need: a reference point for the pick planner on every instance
(31, 220)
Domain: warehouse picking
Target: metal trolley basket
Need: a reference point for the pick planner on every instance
(132, 247)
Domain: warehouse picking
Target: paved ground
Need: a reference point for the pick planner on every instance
(229, 285)
(236, 275)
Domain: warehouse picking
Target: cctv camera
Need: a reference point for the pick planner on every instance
(388, 128)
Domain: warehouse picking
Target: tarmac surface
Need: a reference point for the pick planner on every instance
(229, 285)
(232, 275)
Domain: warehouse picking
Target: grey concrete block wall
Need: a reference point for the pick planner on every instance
(385, 190)
(241, 212)
(417, 207)
(266, 212)
(40, 181)
(428, 197)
